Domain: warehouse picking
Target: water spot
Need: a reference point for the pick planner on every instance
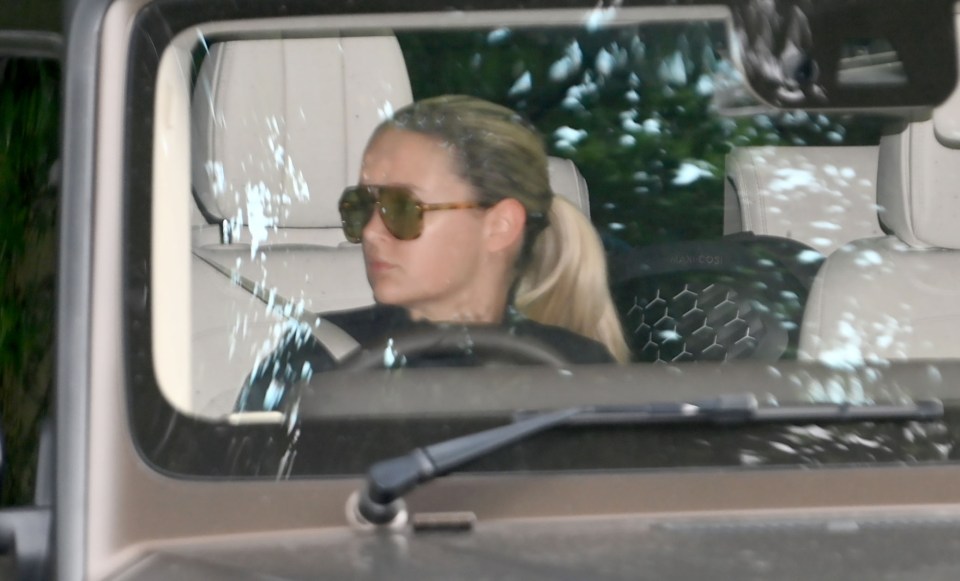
(568, 65)
(782, 447)
(868, 258)
(689, 172)
(669, 335)
(652, 126)
(788, 179)
(835, 391)
(750, 458)
(389, 355)
(386, 111)
(705, 85)
(790, 295)
(673, 69)
(568, 137)
(809, 256)
(215, 174)
(824, 225)
(600, 16)
(273, 395)
(498, 35)
(861, 441)
(259, 214)
(763, 121)
(522, 85)
(944, 450)
(293, 417)
(630, 125)
(577, 93)
(814, 432)
(605, 62)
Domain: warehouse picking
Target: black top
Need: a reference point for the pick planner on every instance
(300, 354)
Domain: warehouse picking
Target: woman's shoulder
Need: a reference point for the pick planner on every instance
(574, 347)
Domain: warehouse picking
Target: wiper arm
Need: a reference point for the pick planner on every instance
(380, 502)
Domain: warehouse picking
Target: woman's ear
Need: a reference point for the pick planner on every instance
(504, 225)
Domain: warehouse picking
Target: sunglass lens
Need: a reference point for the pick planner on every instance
(401, 213)
(356, 208)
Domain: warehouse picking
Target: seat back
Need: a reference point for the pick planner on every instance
(279, 128)
(823, 197)
(898, 297)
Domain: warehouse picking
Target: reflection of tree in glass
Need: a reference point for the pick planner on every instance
(631, 106)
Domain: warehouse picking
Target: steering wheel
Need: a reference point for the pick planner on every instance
(491, 345)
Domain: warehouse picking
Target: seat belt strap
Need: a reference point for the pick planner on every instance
(338, 342)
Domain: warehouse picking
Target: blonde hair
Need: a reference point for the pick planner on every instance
(565, 283)
(561, 268)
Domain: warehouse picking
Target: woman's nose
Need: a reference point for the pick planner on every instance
(375, 228)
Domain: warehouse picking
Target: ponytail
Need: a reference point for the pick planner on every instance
(565, 282)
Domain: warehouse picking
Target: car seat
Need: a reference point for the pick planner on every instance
(266, 181)
(739, 297)
(743, 296)
(894, 297)
(822, 196)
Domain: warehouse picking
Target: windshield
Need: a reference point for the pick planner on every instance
(366, 236)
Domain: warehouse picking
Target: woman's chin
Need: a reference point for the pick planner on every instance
(385, 294)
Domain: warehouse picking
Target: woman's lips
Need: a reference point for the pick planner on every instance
(377, 266)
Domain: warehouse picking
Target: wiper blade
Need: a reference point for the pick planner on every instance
(380, 502)
(746, 408)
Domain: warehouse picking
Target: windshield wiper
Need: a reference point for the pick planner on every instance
(380, 501)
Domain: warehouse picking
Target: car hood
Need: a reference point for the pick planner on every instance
(902, 544)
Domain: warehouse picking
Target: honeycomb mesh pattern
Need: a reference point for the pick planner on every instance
(695, 321)
(740, 297)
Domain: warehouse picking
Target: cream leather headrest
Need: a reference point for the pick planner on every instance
(280, 125)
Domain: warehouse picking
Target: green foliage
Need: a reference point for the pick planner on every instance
(637, 104)
(29, 116)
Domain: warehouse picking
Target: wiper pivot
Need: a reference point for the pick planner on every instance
(388, 480)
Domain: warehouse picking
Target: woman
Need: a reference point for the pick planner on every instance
(459, 226)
